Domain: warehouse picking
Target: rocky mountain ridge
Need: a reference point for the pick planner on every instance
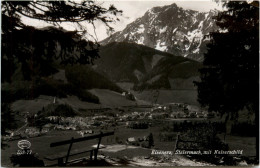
(170, 29)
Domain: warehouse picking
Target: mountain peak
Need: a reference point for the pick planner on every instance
(170, 29)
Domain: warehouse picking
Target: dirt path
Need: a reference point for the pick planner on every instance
(137, 156)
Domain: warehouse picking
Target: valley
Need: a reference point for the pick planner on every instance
(132, 99)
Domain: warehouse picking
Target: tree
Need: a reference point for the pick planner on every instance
(36, 49)
(229, 78)
(8, 121)
(150, 140)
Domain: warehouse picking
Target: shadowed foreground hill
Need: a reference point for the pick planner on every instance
(146, 67)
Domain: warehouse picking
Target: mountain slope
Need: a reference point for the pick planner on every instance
(127, 62)
(170, 73)
(146, 67)
(171, 29)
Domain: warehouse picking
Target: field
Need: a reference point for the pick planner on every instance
(164, 96)
(114, 99)
(169, 96)
(107, 99)
(41, 144)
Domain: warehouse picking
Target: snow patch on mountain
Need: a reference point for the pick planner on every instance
(141, 41)
(141, 29)
(163, 30)
(160, 46)
(174, 30)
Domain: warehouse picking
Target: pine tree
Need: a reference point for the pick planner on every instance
(230, 77)
(150, 140)
(36, 49)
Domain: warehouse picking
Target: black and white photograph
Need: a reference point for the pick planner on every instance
(129, 83)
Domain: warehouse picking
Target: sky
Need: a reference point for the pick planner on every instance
(131, 11)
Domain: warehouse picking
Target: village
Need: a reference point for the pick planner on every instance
(130, 117)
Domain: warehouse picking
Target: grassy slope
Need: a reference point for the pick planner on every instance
(73, 81)
(122, 61)
(33, 106)
(165, 96)
(169, 96)
(111, 98)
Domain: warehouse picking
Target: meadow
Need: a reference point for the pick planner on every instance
(41, 145)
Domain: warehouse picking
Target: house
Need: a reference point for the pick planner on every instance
(45, 130)
(59, 127)
(47, 127)
(89, 131)
(83, 132)
(100, 146)
(130, 96)
(32, 132)
(131, 139)
(70, 127)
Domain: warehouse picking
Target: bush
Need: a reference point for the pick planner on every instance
(150, 140)
(145, 144)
